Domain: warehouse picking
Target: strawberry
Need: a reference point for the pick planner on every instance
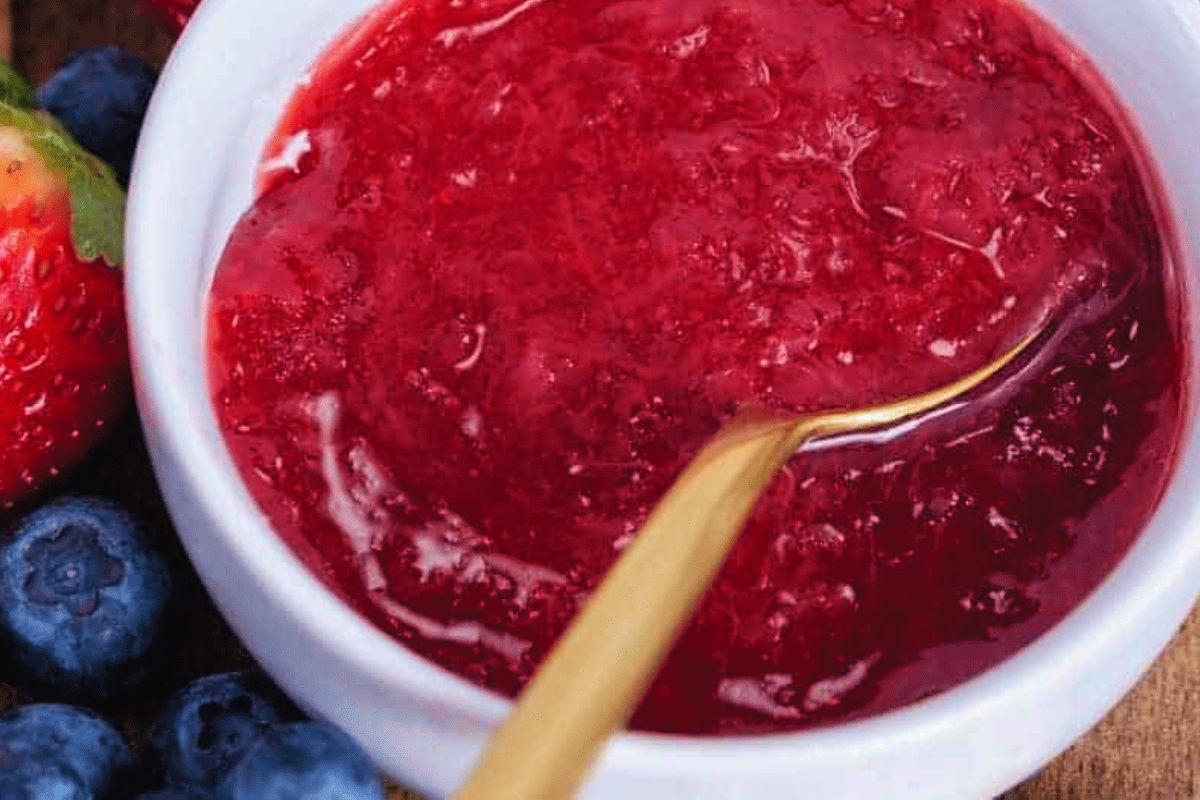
(64, 363)
(174, 14)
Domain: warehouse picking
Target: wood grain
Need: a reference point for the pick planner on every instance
(48, 30)
(6, 30)
(1146, 749)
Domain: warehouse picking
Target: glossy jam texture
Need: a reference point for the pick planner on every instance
(513, 263)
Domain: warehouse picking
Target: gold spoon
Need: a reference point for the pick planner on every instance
(593, 679)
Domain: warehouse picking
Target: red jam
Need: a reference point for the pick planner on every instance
(514, 262)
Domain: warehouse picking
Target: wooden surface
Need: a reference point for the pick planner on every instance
(1147, 749)
(47, 30)
(6, 29)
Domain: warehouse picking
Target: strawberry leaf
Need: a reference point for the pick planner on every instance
(97, 200)
(14, 91)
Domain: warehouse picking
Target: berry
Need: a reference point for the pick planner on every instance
(100, 95)
(209, 724)
(53, 751)
(302, 761)
(81, 597)
(41, 780)
(172, 793)
(174, 14)
(64, 362)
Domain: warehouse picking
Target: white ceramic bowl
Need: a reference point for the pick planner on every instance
(218, 100)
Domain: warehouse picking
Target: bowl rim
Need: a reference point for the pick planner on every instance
(1153, 569)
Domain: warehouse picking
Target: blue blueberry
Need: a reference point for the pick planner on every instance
(100, 95)
(82, 596)
(60, 750)
(41, 780)
(302, 761)
(209, 724)
(172, 793)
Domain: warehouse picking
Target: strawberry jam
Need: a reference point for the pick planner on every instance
(512, 263)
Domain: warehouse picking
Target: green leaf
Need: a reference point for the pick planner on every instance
(97, 200)
(14, 91)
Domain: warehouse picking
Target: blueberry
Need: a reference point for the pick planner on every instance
(82, 595)
(302, 761)
(172, 793)
(64, 751)
(209, 724)
(41, 780)
(100, 95)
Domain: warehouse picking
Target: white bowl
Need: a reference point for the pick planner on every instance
(217, 101)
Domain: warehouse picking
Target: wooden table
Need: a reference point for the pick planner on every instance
(1147, 749)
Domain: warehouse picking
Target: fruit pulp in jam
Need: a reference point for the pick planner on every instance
(512, 263)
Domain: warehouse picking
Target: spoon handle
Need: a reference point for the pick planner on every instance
(601, 667)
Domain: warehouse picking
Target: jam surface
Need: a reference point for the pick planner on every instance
(513, 263)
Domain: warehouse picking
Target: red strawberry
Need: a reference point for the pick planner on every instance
(174, 14)
(64, 363)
